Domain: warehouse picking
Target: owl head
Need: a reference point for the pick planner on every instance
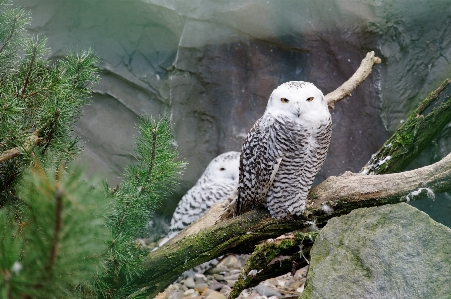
(224, 167)
(300, 100)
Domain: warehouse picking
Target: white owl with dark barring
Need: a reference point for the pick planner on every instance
(284, 151)
(217, 183)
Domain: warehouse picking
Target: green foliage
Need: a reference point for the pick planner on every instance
(40, 101)
(59, 236)
(146, 184)
(12, 33)
(57, 240)
(66, 239)
(150, 180)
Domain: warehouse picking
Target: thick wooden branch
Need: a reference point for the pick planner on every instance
(334, 197)
(359, 76)
(350, 191)
(422, 126)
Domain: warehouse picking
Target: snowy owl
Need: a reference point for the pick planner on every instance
(284, 151)
(218, 181)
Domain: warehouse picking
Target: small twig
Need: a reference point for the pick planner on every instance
(13, 28)
(53, 125)
(30, 69)
(56, 230)
(32, 140)
(9, 154)
(359, 76)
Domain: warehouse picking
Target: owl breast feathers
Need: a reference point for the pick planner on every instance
(284, 151)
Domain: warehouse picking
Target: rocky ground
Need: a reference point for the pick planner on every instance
(217, 283)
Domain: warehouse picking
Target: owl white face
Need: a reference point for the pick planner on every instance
(298, 99)
(224, 167)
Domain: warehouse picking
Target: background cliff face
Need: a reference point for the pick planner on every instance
(212, 65)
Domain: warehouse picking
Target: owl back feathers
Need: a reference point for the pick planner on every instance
(219, 180)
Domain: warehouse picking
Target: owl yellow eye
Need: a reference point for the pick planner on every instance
(310, 99)
(284, 100)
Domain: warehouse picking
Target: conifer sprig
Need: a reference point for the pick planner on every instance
(59, 239)
(146, 183)
(12, 34)
(40, 101)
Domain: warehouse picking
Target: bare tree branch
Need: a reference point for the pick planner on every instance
(359, 76)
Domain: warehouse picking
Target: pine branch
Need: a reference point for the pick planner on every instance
(8, 39)
(59, 239)
(57, 229)
(153, 151)
(30, 69)
(53, 124)
(33, 140)
(145, 185)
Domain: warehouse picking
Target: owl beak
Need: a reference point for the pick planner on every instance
(297, 112)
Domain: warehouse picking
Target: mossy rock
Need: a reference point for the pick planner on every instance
(393, 251)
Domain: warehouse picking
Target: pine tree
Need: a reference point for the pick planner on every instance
(67, 238)
(146, 183)
(60, 235)
(40, 101)
(55, 239)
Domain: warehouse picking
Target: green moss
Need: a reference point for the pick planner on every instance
(403, 137)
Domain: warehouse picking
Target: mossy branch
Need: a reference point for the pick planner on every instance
(341, 195)
(422, 126)
(273, 258)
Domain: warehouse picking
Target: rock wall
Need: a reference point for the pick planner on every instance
(212, 65)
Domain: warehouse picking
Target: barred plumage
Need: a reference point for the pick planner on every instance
(284, 151)
(218, 181)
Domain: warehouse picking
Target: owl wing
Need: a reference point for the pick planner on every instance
(195, 203)
(259, 163)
